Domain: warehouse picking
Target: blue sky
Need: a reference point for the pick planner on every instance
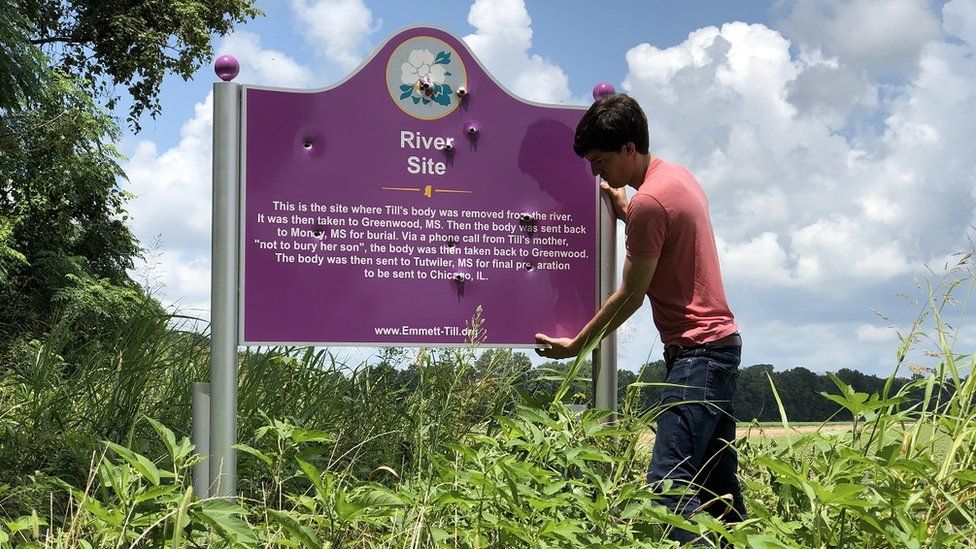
(588, 43)
(833, 138)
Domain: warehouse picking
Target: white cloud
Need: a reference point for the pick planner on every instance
(173, 205)
(835, 251)
(828, 189)
(502, 42)
(760, 261)
(829, 92)
(828, 257)
(188, 278)
(880, 36)
(811, 208)
(870, 333)
(815, 346)
(173, 186)
(959, 19)
(262, 66)
(338, 29)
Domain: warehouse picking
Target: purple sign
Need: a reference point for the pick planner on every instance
(388, 209)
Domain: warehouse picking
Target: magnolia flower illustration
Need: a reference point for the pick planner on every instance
(423, 77)
(419, 66)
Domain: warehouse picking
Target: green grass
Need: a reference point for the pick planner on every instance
(450, 456)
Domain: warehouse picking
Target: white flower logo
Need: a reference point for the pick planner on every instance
(423, 77)
(420, 66)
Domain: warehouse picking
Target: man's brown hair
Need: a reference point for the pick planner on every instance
(609, 124)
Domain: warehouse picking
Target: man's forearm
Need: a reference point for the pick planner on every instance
(621, 208)
(614, 312)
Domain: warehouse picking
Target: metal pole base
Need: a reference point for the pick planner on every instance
(200, 406)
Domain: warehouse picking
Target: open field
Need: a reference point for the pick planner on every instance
(767, 430)
(775, 430)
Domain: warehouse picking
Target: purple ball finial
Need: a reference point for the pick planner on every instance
(227, 67)
(602, 90)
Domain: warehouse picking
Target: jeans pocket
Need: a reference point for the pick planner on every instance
(727, 357)
(688, 380)
(720, 385)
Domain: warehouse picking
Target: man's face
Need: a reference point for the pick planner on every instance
(612, 166)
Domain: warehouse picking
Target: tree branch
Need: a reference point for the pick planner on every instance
(52, 39)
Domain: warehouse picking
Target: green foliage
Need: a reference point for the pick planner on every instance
(64, 246)
(435, 453)
(54, 410)
(21, 64)
(131, 44)
(10, 258)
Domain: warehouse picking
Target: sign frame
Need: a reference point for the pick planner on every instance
(598, 228)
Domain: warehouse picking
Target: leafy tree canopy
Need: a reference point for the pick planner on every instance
(130, 43)
(63, 238)
(21, 64)
(64, 246)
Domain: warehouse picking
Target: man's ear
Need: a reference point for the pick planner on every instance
(628, 149)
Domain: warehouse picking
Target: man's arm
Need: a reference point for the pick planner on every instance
(638, 272)
(618, 197)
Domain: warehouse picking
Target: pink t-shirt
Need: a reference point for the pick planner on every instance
(668, 219)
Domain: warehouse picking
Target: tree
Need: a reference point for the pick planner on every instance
(21, 64)
(64, 246)
(754, 395)
(543, 381)
(503, 363)
(624, 379)
(654, 373)
(133, 44)
(62, 217)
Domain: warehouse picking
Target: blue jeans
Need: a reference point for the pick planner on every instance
(695, 432)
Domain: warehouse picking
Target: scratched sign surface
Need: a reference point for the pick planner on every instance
(388, 209)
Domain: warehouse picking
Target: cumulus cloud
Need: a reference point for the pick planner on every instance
(337, 29)
(760, 261)
(172, 187)
(959, 20)
(870, 333)
(829, 186)
(502, 43)
(820, 346)
(262, 66)
(830, 92)
(882, 37)
(187, 280)
(172, 205)
(817, 209)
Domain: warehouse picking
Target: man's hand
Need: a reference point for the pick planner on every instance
(556, 348)
(618, 197)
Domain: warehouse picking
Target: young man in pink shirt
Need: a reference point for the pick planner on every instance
(671, 258)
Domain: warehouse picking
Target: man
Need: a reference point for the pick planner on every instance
(672, 258)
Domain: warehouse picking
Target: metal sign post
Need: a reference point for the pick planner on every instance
(224, 291)
(605, 355)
